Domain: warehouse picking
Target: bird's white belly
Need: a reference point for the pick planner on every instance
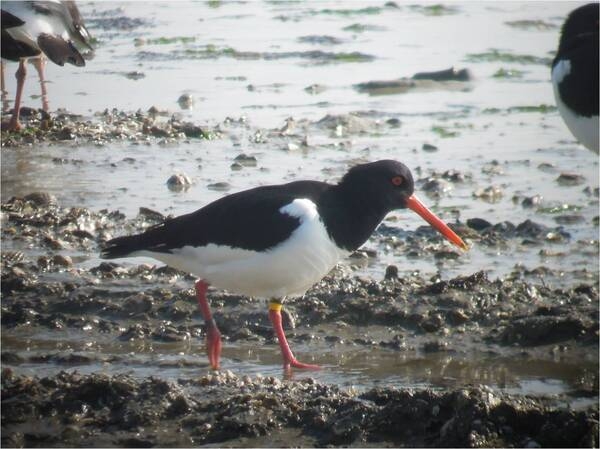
(585, 129)
(288, 269)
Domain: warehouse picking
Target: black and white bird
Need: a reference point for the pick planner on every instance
(575, 74)
(38, 29)
(277, 241)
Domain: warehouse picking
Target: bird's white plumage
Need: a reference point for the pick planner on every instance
(35, 24)
(288, 269)
(585, 129)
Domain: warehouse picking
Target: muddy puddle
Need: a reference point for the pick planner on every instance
(183, 104)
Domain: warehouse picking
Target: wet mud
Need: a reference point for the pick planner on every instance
(48, 296)
(226, 409)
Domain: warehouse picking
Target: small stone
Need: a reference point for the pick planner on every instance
(41, 198)
(62, 261)
(391, 272)
(532, 201)
(219, 186)
(570, 179)
(246, 160)
(179, 182)
(66, 133)
(429, 148)
(135, 75)
(490, 194)
(479, 224)
(186, 101)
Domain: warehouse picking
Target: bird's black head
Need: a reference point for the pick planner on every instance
(581, 21)
(386, 184)
(355, 207)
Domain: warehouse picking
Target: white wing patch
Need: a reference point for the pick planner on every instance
(560, 70)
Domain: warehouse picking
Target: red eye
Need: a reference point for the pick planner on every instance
(397, 180)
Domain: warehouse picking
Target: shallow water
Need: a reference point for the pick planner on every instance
(255, 60)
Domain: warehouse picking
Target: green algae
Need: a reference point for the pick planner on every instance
(495, 55)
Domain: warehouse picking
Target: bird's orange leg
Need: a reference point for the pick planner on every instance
(289, 361)
(213, 336)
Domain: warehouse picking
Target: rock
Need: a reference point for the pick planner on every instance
(179, 182)
(532, 201)
(150, 214)
(62, 261)
(246, 160)
(450, 74)
(219, 186)
(429, 148)
(491, 194)
(137, 304)
(479, 224)
(348, 124)
(570, 179)
(391, 272)
(41, 199)
(186, 101)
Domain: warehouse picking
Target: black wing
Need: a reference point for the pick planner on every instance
(9, 20)
(247, 220)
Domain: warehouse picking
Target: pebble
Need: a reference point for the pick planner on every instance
(491, 194)
(186, 101)
(246, 160)
(179, 182)
(63, 261)
(570, 179)
(219, 186)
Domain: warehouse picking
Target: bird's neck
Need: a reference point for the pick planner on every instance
(350, 216)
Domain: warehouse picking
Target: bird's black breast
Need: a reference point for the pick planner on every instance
(579, 89)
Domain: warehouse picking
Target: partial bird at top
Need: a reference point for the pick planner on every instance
(575, 74)
(38, 29)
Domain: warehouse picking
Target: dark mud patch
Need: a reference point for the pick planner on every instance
(70, 409)
(105, 127)
(214, 52)
(449, 79)
(495, 55)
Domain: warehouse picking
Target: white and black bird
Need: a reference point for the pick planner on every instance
(277, 241)
(575, 74)
(36, 30)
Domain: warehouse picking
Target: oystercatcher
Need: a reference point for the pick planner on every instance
(35, 29)
(277, 241)
(575, 74)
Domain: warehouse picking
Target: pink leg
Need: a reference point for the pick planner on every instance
(40, 64)
(3, 89)
(213, 336)
(289, 361)
(20, 75)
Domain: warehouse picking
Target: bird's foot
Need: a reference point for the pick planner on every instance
(11, 125)
(213, 346)
(294, 363)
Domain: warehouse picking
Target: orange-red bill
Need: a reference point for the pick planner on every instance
(415, 205)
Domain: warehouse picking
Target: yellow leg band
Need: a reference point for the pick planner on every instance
(275, 306)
